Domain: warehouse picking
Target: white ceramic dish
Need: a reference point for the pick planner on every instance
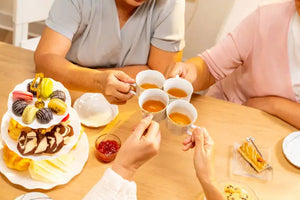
(56, 118)
(81, 153)
(291, 148)
(33, 196)
(12, 144)
(94, 110)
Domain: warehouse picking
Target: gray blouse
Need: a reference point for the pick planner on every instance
(97, 41)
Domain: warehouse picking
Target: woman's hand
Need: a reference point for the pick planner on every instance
(203, 154)
(195, 70)
(115, 86)
(187, 71)
(139, 147)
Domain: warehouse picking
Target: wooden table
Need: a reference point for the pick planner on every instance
(170, 175)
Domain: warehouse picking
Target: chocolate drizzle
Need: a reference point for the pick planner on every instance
(44, 115)
(18, 107)
(58, 94)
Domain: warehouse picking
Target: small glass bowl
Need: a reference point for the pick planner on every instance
(107, 147)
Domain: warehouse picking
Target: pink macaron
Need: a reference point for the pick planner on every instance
(23, 95)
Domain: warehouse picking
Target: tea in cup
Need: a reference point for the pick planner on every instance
(178, 88)
(181, 116)
(148, 79)
(180, 119)
(154, 101)
(153, 106)
(176, 92)
(146, 86)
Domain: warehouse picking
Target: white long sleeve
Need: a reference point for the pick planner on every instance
(112, 187)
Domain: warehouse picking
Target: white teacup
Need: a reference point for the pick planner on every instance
(181, 85)
(149, 103)
(183, 108)
(150, 78)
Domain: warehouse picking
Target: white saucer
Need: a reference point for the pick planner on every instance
(94, 110)
(33, 196)
(291, 148)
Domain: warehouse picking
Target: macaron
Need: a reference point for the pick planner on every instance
(18, 107)
(22, 95)
(46, 88)
(57, 106)
(58, 94)
(29, 114)
(44, 115)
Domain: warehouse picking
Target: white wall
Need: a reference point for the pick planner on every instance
(213, 19)
(202, 28)
(6, 10)
(5, 14)
(6, 6)
(206, 20)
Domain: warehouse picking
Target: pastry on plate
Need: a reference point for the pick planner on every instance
(46, 88)
(44, 115)
(57, 106)
(50, 140)
(51, 170)
(29, 114)
(22, 95)
(27, 143)
(15, 129)
(18, 107)
(250, 154)
(14, 161)
(58, 94)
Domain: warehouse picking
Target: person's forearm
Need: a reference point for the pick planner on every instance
(285, 109)
(204, 78)
(132, 71)
(72, 76)
(212, 191)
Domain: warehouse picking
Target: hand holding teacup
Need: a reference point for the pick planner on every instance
(186, 70)
(155, 102)
(178, 88)
(148, 79)
(115, 86)
(181, 117)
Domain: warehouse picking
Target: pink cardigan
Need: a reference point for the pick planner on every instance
(252, 61)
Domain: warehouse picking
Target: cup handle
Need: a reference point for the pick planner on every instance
(133, 88)
(189, 132)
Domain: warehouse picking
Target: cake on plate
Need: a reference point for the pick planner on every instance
(40, 130)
